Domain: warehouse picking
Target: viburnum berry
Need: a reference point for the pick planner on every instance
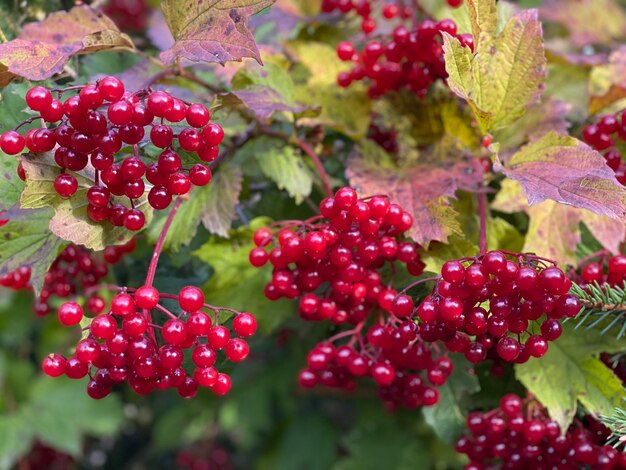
(484, 307)
(488, 441)
(54, 365)
(89, 134)
(70, 313)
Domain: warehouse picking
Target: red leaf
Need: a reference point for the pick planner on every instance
(421, 190)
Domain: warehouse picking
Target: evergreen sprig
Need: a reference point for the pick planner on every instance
(602, 304)
(616, 422)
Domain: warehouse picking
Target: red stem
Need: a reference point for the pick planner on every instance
(482, 213)
(319, 167)
(159, 245)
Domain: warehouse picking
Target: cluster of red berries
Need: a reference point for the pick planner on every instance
(125, 345)
(339, 254)
(605, 269)
(604, 136)
(73, 271)
(333, 264)
(392, 354)
(103, 122)
(128, 15)
(483, 306)
(519, 435)
(412, 58)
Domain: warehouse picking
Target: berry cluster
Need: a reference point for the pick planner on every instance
(73, 271)
(105, 126)
(333, 264)
(602, 268)
(125, 345)
(512, 437)
(338, 254)
(483, 306)
(603, 136)
(411, 58)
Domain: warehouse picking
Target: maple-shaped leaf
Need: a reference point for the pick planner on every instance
(607, 82)
(26, 241)
(566, 170)
(422, 190)
(571, 372)
(43, 47)
(554, 229)
(498, 80)
(588, 22)
(70, 220)
(215, 31)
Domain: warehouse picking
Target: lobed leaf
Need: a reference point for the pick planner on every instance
(554, 229)
(570, 372)
(566, 170)
(422, 190)
(507, 71)
(214, 31)
(607, 82)
(44, 47)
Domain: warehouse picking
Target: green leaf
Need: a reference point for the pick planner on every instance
(282, 164)
(13, 106)
(507, 70)
(344, 110)
(570, 372)
(222, 195)
(70, 220)
(447, 417)
(26, 241)
(10, 184)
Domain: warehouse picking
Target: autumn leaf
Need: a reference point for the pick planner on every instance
(589, 21)
(554, 228)
(43, 47)
(497, 80)
(422, 190)
(70, 220)
(211, 31)
(566, 170)
(607, 82)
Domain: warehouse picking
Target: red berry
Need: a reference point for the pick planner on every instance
(190, 299)
(38, 98)
(213, 134)
(147, 297)
(198, 115)
(54, 365)
(237, 350)
(65, 185)
(70, 313)
(160, 103)
(111, 88)
(12, 143)
(222, 385)
(245, 325)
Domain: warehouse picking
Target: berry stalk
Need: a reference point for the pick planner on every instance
(159, 245)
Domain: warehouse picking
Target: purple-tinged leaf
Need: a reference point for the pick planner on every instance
(564, 169)
(211, 31)
(44, 47)
(264, 101)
